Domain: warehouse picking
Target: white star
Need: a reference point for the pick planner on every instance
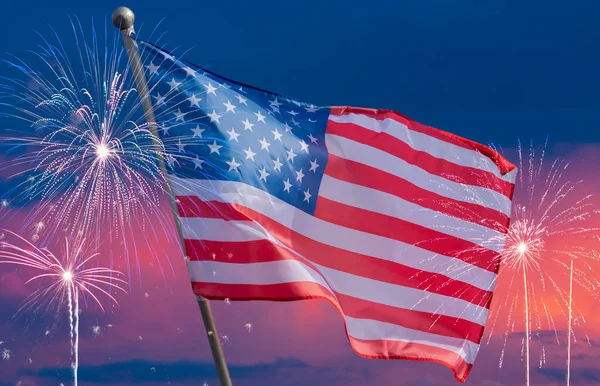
(152, 69)
(198, 163)
(233, 136)
(311, 109)
(160, 100)
(312, 139)
(214, 117)
(263, 174)
(307, 196)
(194, 101)
(181, 146)
(197, 131)
(313, 166)
(278, 165)
(241, 99)
(275, 109)
(233, 165)
(179, 116)
(260, 117)
(210, 89)
(299, 175)
(291, 155)
(214, 148)
(230, 107)
(275, 103)
(247, 125)
(277, 135)
(249, 153)
(295, 123)
(287, 128)
(165, 130)
(264, 145)
(287, 185)
(189, 72)
(303, 145)
(292, 112)
(174, 84)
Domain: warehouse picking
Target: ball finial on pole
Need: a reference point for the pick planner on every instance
(123, 18)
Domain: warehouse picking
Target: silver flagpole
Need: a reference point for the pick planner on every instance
(123, 18)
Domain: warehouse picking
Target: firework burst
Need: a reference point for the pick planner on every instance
(549, 247)
(67, 279)
(88, 162)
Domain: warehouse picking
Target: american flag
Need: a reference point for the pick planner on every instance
(390, 220)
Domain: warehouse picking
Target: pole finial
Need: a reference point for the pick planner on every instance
(123, 18)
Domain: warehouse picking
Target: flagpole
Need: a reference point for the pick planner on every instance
(123, 18)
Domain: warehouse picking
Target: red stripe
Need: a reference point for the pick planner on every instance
(363, 175)
(440, 167)
(503, 165)
(322, 254)
(346, 305)
(406, 232)
(385, 349)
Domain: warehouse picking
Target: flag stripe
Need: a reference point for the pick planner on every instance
(264, 251)
(381, 349)
(374, 200)
(349, 284)
(388, 349)
(358, 152)
(373, 226)
(439, 143)
(359, 129)
(412, 234)
(363, 175)
(259, 274)
(331, 234)
(324, 255)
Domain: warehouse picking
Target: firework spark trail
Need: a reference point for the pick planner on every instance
(526, 324)
(76, 345)
(71, 322)
(68, 276)
(570, 324)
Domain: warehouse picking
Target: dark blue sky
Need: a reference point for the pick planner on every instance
(488, 70)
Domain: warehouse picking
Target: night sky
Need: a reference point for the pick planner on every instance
(491, 71)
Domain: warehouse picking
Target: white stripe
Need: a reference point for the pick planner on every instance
(367, 155)
(269, 273)
(367, 329)
(216, 229)
(342, 282)
(291, 271)
(423, 142)
(331, 234)
(380, 202)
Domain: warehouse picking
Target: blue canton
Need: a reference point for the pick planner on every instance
(219, 129)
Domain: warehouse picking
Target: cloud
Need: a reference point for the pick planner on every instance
(142, 371)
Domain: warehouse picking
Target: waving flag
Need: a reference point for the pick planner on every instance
(390, 220)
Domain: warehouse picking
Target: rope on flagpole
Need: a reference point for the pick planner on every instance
(123, 18)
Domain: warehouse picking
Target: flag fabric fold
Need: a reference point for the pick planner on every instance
(399, 225)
